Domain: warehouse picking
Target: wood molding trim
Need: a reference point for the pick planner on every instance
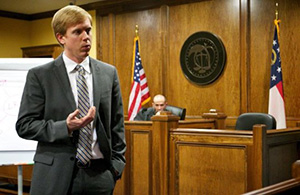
(245, 55)
(104, 7)
(119, 6)
(53, 50)
(164, 33)
(14, 15)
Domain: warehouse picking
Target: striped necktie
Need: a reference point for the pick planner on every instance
(84, 149)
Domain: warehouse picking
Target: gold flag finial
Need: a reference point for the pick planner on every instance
(276, 11)
(136, 30)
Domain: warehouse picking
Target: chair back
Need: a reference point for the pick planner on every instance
(177, 111)
(247, 120)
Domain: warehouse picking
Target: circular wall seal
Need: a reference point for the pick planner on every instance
(202, 58)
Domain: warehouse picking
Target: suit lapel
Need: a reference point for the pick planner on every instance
(97, 80)
(60, 72)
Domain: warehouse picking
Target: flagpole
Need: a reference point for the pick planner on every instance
(277, 21)
(134, 48)
(139, 92)
(276, 11)
(136, 30)
(276, 95)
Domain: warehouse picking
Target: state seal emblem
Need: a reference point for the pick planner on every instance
(202, 58)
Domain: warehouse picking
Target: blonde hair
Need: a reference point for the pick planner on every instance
(68, 16)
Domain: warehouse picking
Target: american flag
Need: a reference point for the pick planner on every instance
(276, 98)
(139, 93)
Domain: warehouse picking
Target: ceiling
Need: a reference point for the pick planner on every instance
(38, 6)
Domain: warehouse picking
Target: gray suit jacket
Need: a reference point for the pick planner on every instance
(46, 103)
(145, 114)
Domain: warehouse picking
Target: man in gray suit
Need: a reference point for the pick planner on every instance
(49, 113)
(159, 104)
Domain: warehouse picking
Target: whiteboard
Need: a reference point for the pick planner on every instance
(13, 71)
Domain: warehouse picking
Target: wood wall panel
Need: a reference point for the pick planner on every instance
(223, 94)
(204, 163)
(150, 49)
(246, 29)
(262, 32)
(245, 56)
(262, 16)
(290, 156)
(290, 49)
(141, 174)
(105, 39)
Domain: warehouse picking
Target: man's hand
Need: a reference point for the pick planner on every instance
(75, 123)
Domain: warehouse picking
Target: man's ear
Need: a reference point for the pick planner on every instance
(60, 38)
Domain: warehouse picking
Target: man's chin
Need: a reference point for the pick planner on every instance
(85, 53)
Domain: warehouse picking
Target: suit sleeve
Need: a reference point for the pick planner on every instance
(117, 128)
(31, 123)
(141, 115)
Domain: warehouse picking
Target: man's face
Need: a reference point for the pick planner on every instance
(77, 41)
(159, 105)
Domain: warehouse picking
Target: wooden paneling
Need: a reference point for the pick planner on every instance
(162, 33)
(291, 186)
(141, 175)
(205, 16)
(43, 51)
(204, 160)
(245, 55)
(290, 49)
(147, 156)
(164, 159)
(245, 27)
(288, 150)
(262, 16)
(262, 32)
(9, 174)
(121, 39)
(247, 160)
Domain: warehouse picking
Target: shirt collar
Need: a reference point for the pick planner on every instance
(70, 64)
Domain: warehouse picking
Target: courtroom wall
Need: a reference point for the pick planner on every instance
(13, 34)
(261, 36)
(16, 33)
(245, 27)
(246, 30)
(41, 32)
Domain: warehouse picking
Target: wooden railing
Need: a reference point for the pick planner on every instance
(9, 179)
(230, 162)
(291, 186)
(9, 174)
(166, 157)
(140, 137)
(147, 154)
